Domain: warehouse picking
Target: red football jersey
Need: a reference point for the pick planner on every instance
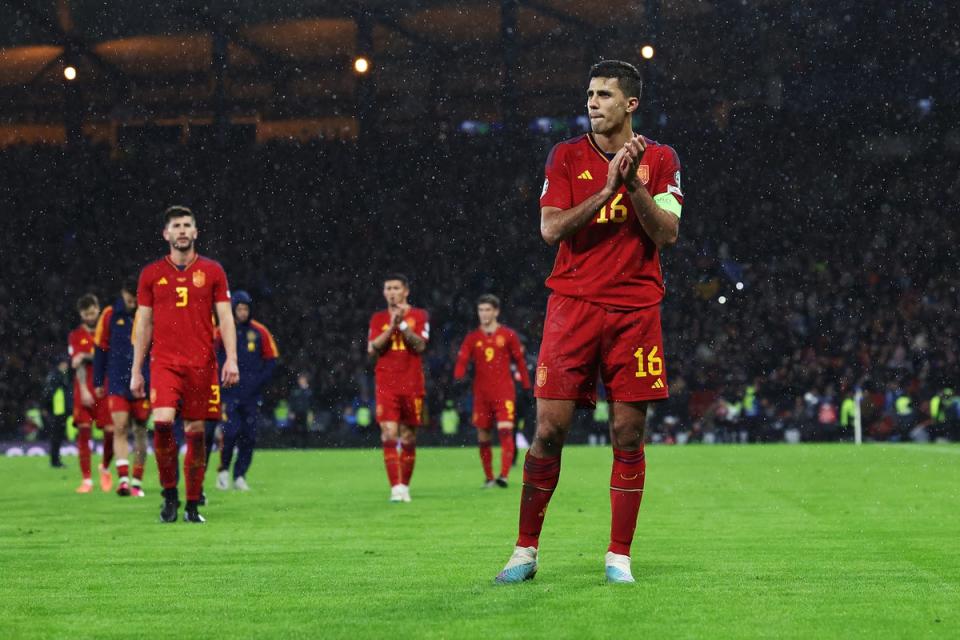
(399, 369)
(183, 303)
(80, 340)
(491, 355)
(611, 261)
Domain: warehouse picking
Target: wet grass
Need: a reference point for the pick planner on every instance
(776, 541)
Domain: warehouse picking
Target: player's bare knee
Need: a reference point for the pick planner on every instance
(408, 435)
(627, 432)
(388, 431)
(549, 438)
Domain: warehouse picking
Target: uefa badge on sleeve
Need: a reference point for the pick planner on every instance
(541, 375)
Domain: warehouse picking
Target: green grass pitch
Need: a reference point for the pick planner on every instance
(768, 541)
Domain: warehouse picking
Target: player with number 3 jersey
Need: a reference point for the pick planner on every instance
(177, 298)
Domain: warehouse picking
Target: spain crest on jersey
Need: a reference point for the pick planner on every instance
(501, 341)
(199, 278)
(643, 172)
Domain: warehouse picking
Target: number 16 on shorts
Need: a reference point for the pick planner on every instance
(650, 366)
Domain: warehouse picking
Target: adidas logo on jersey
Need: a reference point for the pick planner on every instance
(162, 281)
(658, 384)
(585, 176)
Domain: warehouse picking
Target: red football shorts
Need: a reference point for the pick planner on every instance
(99, 413)
(405, 409)
(138, 408)
(487, 412)
(583, 341)
(195, 391)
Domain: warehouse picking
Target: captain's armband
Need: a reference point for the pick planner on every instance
(668, 202)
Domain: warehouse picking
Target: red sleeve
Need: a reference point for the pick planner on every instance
(145, 288)
(374, 330)
(101, 338)
(268, 346)
(463, 358)
(221, 290)
(557, 190)
(668, 177)
(516, 352)
(73, 346)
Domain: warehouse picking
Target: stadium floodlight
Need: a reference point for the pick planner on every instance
(722, 299)
(739, 286)
(647, 51)
(361, 65)
(70, 73)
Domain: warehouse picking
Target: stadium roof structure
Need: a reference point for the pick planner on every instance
(473, 59)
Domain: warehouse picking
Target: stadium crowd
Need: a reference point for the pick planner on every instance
(841, 238)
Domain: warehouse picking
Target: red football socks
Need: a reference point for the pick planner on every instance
(408, 457)
(107, 449)
(83, 447)
(626, 491)
(137, 471)
(508, 449)
(540, 476)
(486, 459)
(391, 460)
(165, 448)
(123, 469)
(194, 465)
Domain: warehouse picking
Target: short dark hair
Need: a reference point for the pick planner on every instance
(627, 75)
(86, 301)
(397, 276)
(129, 285)
(490, 299)
(177, 211)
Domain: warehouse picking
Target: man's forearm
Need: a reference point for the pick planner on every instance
(142, 343)
(559, 225)
(662, 226)
(229, 337)
(414, 341)
(380, 342)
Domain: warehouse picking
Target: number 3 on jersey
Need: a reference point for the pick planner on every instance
(653, 366)
(182, 296)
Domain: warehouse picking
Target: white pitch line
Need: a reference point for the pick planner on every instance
(955, 452)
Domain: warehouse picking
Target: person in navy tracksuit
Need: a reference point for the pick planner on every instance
(256, 357)
(112, 363)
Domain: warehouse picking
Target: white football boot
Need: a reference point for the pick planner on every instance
(618, 568)
(521, 566)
